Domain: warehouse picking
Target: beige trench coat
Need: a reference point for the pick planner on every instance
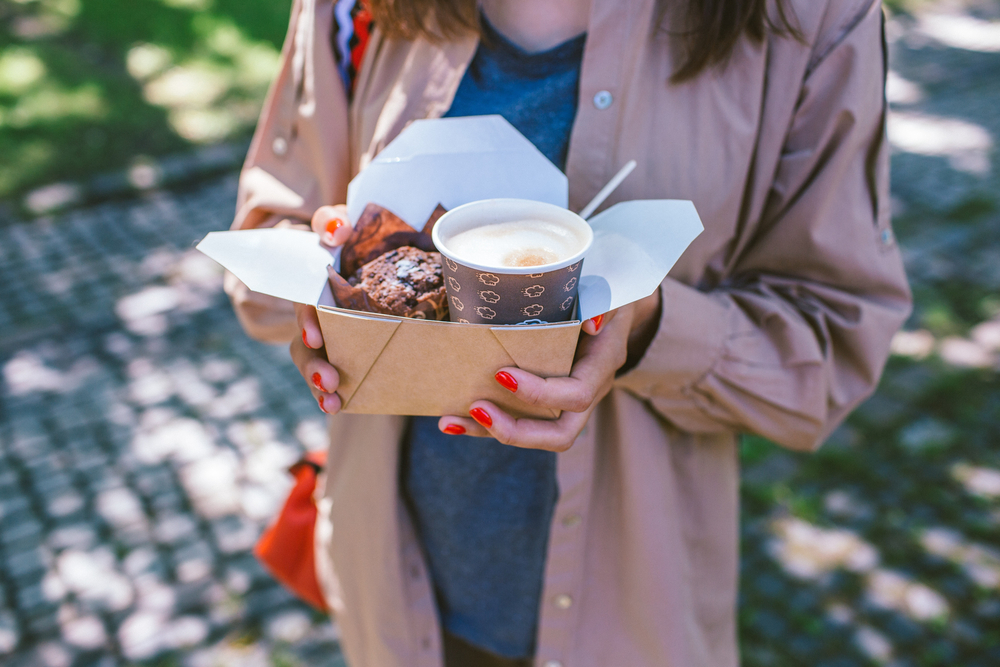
(777, 320)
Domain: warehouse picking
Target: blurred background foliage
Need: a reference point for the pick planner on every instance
(91, 86)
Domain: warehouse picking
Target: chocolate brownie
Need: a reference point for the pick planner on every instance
(406, 282)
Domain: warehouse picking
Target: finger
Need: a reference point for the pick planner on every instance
(322, 378)
(589, 379)
(454, 425)
(308, 320)
(574, 394)
(320, 374)
(554, 435)
(331, 223)
(596, 324)
(329, 403)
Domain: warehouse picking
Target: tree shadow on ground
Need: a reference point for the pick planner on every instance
(883, 546)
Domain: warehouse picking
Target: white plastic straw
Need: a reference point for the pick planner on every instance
(589, 209)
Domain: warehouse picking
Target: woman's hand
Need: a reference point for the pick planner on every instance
(330, 222)
(608, 342)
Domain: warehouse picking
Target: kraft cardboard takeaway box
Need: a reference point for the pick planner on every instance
(393, 365)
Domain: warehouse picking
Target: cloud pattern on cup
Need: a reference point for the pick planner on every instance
(537, 298)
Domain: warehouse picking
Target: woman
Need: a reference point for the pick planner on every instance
(622, 548)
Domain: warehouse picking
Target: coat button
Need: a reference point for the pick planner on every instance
(279, 146)
(603, 100)
(571, 520)
(563, 601)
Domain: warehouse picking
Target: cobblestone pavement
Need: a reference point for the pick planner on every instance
(143, 437)
(143, 447)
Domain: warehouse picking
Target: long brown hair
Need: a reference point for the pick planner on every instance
(711, 30)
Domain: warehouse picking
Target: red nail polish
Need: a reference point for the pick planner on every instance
(318, 381)
(481, 416)
(597, 322)
(321, 407)
(506, 380)
(305, 340)
(454, 429)
(334, 225)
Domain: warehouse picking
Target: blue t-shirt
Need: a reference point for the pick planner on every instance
(482, 509)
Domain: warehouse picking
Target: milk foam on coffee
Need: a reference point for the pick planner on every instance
(516, 244)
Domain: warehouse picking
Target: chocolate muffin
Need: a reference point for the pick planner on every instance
(407, 282)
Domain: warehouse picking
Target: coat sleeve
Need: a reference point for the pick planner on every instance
(298, 159)
(799, 335)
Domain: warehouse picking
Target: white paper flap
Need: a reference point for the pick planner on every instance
(454, 161)
(284, 263)
(636, 243)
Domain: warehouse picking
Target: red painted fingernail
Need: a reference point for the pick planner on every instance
(334, 225)
(305, 340)
(321, 407)
(318, 381)
(597, 322)
(506, 380)
(481, 416)
(454, 429)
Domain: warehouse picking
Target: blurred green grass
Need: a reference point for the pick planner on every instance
(95, 86)
(90, 86)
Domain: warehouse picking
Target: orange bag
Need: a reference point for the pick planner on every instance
(286, 548)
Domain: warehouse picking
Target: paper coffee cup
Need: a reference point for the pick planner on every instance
(492, 293)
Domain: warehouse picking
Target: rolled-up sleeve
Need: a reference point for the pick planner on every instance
(799, 333)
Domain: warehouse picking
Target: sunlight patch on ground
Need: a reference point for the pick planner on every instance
(902, 91)
(193, 279)
(212, 97)
(51, 197)
(203, 126)
(20, 69)
(50, 18)
(962, 32)
(92, 577)
(895, 591)
(965, 353)
(26, 372)
(965, 145)
(146, 60)
(194, 85)
(194, 5)
(981, 349)
(810, 552)
(980, 563)
(49, 103)
(913, 344)
(978, 480)
(873, 643)
(987, 334)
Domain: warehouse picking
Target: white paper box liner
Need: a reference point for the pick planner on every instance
(454, 161)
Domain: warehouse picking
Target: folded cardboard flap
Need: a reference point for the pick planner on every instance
(394, 365)
(454, 161)
(287, 264)
(636, 243)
